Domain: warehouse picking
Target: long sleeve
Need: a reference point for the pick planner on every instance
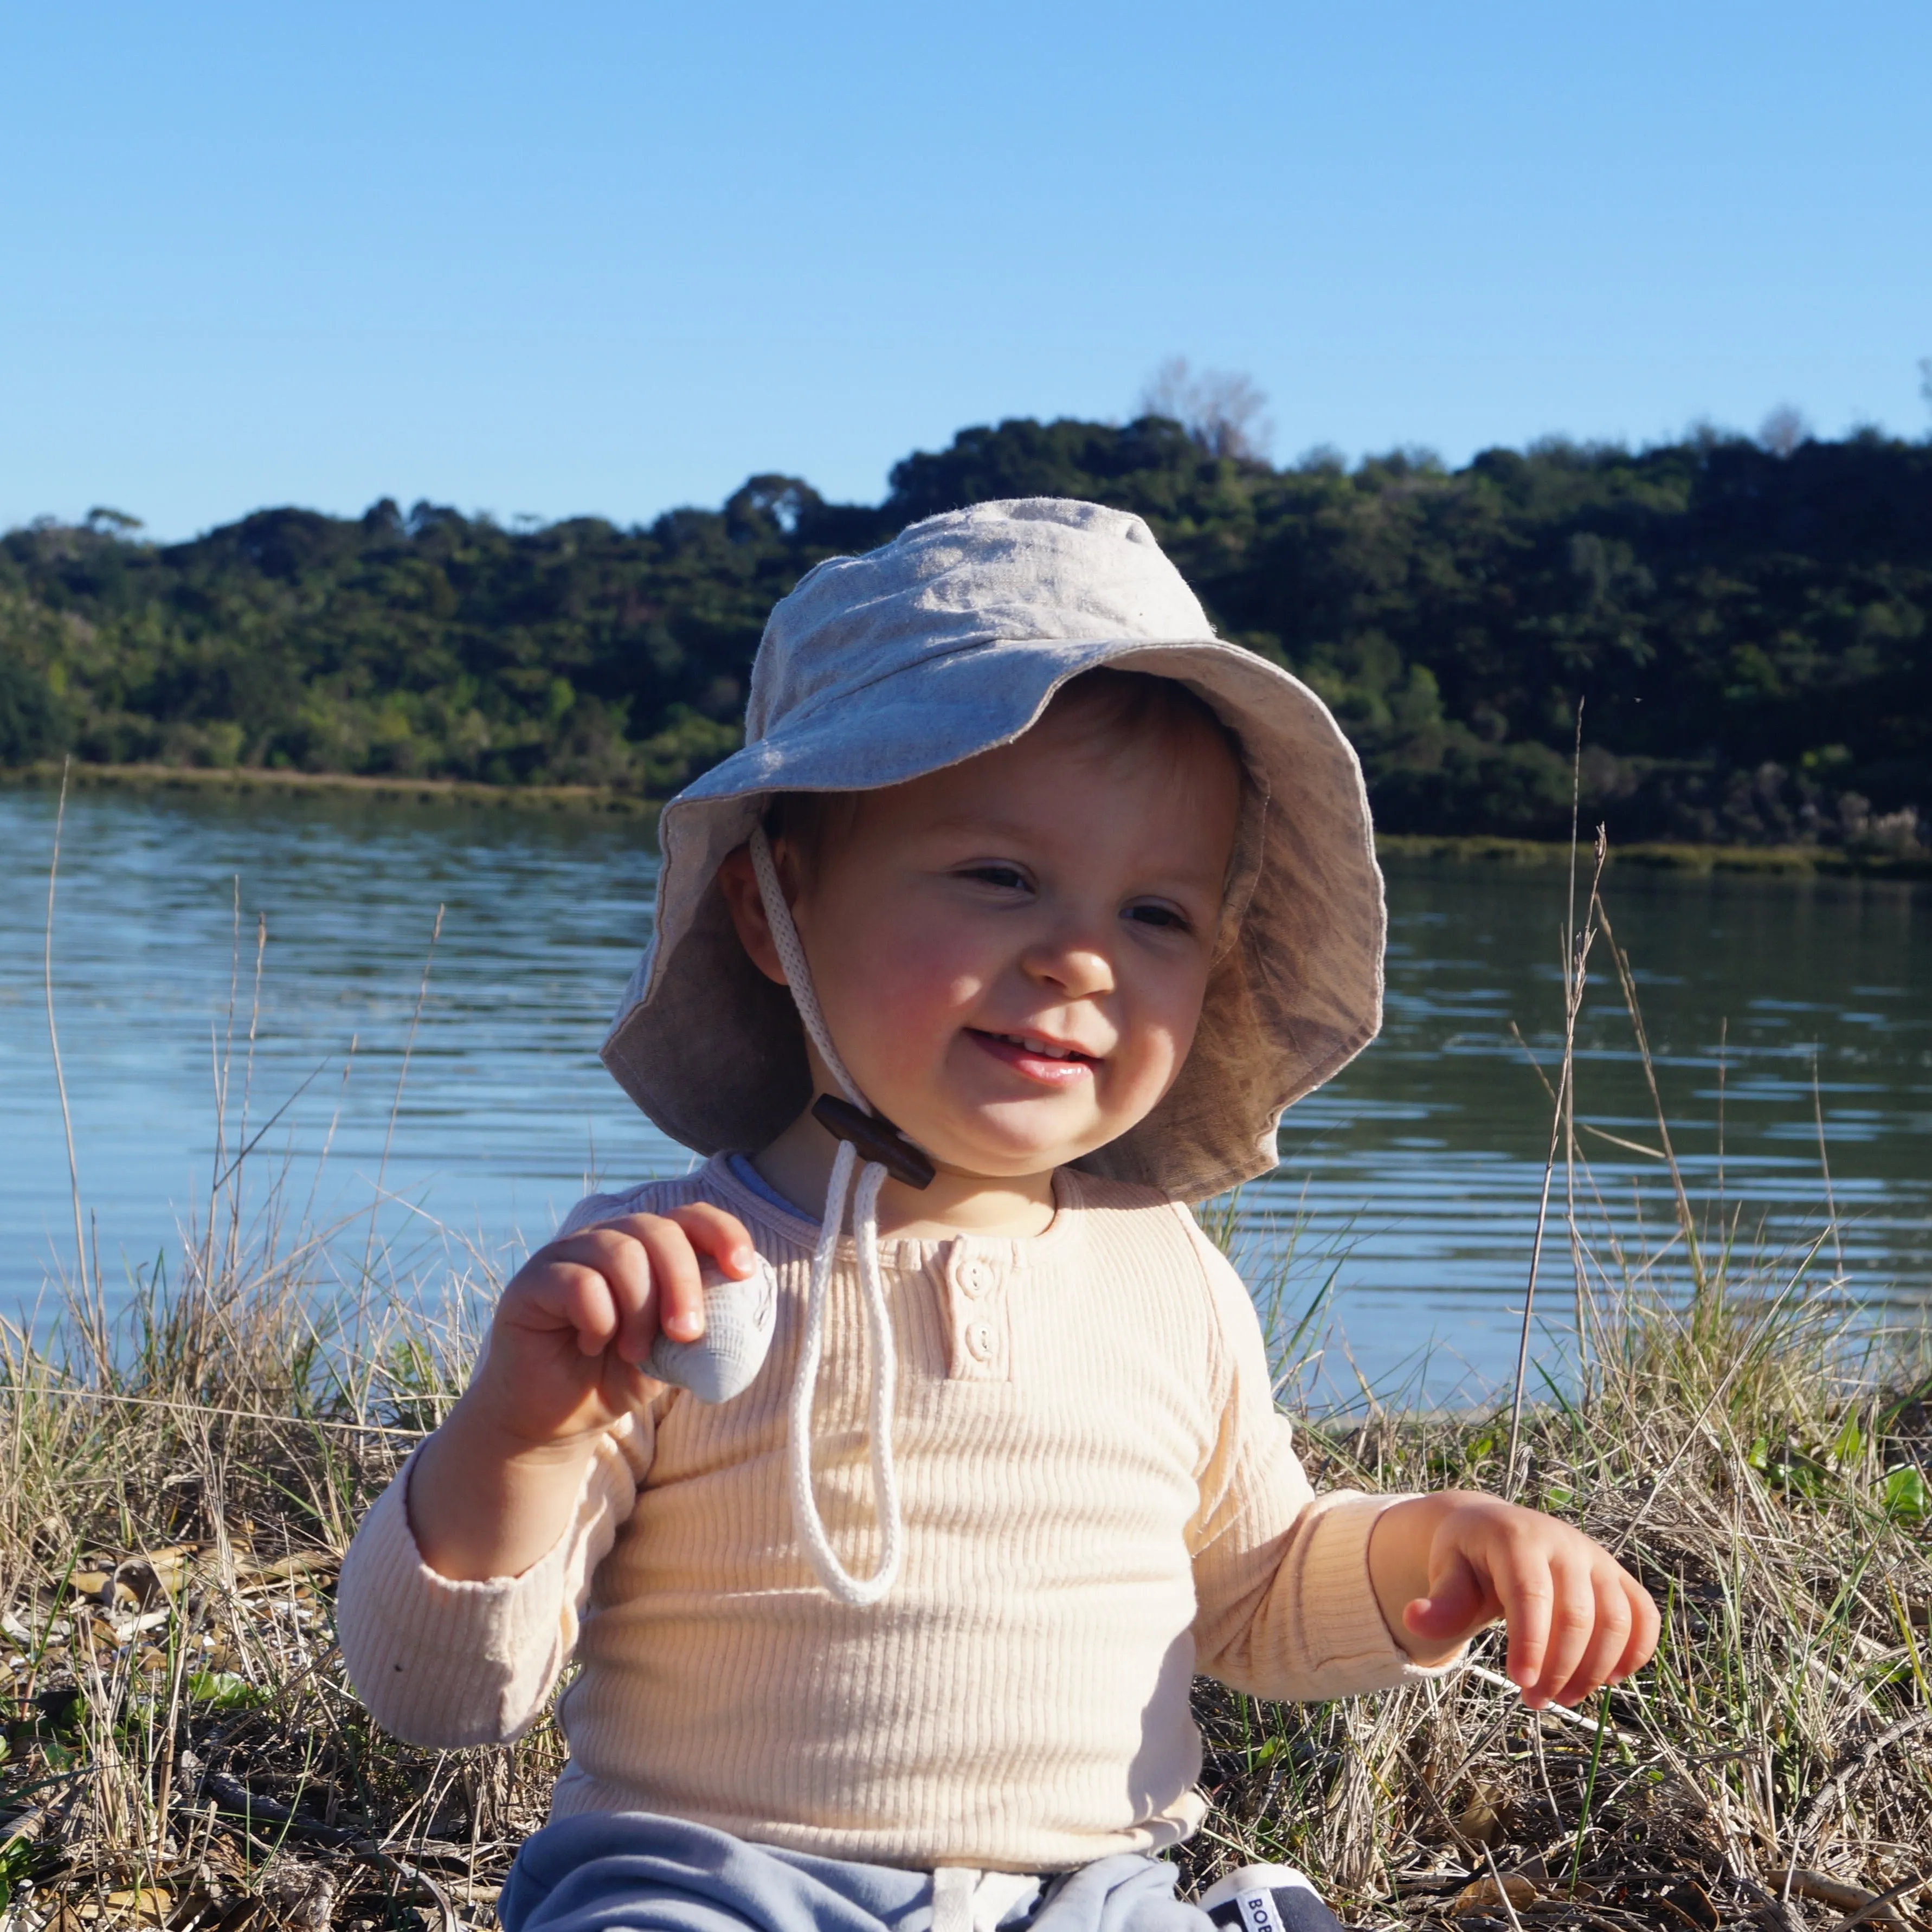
(1098, 1499)
(1287, 1608)
(446, 1663)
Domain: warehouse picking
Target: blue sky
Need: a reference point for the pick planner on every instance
(613, 258)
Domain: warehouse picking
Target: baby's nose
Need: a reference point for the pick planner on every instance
(1080, 970)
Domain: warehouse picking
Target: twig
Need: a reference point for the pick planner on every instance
(1502, 1890)
(53, 1040)
(402, 1075)
(1825, 1168)
(238, 1797)
(1579, 1286)
(1822, 1890)
(1849, 1767)
(1576, 955)
(1876, 1908)
(1560, 1711)
(1627, 981)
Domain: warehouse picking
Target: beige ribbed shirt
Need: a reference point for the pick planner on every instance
(1100, 1501)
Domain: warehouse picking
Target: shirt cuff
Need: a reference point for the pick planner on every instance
(1344, 1641)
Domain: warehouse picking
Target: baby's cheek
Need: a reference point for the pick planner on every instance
(1145, 1068)
(907, 1017)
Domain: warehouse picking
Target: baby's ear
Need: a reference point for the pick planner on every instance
(739, 882)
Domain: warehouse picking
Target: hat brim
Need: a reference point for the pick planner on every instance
(713, 1052)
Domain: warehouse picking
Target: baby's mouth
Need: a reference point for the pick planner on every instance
(1050, 1062)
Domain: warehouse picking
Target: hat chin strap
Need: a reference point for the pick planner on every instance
(839, 1581)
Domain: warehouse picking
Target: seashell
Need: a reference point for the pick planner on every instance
(738, 1320)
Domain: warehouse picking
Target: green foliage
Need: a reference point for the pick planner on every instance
(223, 1690)
(1747, 631)
(1904, 1495)
(17, 1858)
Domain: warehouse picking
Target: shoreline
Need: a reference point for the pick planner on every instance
(1790, 862)
(392, 790)
(1762, 861)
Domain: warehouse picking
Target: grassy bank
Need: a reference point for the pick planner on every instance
(1758, 861)
(245, 778)
(182, 1747)
(182, 1750)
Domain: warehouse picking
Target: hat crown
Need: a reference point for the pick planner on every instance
(1033, 567)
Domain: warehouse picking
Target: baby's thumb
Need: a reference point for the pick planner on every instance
(1456, 1604)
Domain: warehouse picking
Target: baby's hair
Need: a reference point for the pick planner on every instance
(1106, 708)
(1120, 707)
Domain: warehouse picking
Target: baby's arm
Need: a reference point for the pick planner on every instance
(460, 1597)
(1446, 1566)
(494, 1488)
(1308, 1597)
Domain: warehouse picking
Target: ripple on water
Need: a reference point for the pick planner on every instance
(1413, 1180)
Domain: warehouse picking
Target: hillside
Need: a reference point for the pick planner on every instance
(1748, 631)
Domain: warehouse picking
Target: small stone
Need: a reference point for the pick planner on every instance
(738, 1322)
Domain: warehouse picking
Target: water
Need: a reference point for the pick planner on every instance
(1414, 1178)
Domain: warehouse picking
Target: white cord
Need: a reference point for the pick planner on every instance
(791, 957)
(810, 1526)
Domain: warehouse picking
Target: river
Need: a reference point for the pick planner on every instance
(1790, 1024)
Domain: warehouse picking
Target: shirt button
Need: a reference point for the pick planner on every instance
(980, 1340)
(974, 1277)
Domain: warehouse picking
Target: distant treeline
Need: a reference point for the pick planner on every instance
(1747, 629)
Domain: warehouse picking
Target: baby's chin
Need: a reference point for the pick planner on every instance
(984, 1150)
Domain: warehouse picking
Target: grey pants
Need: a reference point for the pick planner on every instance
(635, 1871)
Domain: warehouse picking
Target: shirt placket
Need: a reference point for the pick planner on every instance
(977, 1284)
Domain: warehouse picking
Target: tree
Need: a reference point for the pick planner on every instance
(1783, 430)
(1224, 412)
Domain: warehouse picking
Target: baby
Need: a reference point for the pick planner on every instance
(1024, 911)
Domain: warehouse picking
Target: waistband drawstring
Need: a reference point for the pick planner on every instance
(839, 1581)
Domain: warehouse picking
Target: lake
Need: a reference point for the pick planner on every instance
(1774, 1008)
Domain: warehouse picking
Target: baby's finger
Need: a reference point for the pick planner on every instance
(718, 1234)
(1572, 1622)
(1527, 1595)
(677, 1301)
(571, 1293)
(1645, 1627)
(1608, 1641)
(618, 1254)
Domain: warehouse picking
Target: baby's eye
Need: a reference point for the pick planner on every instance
(1169, 918)
(1008, 878)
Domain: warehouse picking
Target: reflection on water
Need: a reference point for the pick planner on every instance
(1419, 1167)
(1790, 1030)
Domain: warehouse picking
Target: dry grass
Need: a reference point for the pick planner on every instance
(182, 1748)
(1769, 1768)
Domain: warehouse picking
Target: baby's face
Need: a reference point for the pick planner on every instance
(1011, 954)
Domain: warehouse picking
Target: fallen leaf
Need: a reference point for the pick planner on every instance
(1485, 1895)
(1694, 1902)
(146, 1904)
(100, 1585)
(298, 1565)
(1480, 1821)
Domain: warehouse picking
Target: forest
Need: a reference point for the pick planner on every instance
(1745, 627)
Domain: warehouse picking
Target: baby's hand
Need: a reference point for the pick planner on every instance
(577, 1320)
(1446, 1566)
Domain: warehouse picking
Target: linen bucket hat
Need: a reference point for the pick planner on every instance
(947, 641)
